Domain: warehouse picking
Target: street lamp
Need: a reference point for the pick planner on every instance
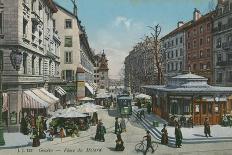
(2, 141)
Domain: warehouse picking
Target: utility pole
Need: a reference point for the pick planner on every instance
(2, 141)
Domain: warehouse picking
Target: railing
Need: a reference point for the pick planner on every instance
(224, 63)
(223, 27)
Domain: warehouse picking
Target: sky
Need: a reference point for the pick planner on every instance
(117, 25)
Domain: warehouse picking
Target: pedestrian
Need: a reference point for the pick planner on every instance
(178, 135)
(123, 125)
(149, 108)
(149, 145)
(119, 143)
(142, 113)
(102, 132)
(98, 130)
(207, 128)
(35, 138)
(118, 129)
(164, 138)
(62, 133)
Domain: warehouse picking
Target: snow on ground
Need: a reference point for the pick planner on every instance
(15, 140)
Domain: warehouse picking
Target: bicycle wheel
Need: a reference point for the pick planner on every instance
(154, 145)
(139, 147)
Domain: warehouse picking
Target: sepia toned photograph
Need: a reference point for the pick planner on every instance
(115, 77)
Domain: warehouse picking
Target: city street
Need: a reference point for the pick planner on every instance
(85, 144)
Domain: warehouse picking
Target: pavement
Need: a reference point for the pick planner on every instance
(86, 145)
(14, 140)
(190, 135)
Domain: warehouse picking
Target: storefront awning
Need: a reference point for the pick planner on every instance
(217, 99)
(60, 90)
(89, 88)
(30, 100)
(49, 94)
(44, 97)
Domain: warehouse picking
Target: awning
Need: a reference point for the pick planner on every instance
(89, 88)
(30, 100)
(44, 97)
(60, 90)
(49, 94)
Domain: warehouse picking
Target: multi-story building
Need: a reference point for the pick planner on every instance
(140, 68)
(87, 63)
(29, 45)
(101, 77)
(173, 47)
(199, 57)
(222, 43)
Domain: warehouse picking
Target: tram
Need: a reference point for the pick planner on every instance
(124, 105)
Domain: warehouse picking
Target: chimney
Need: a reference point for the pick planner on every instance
(180, 23)
(196, 14)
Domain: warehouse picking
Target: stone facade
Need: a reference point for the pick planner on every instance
(222, 43)
(30, 48)
(173, 47)
(199, 40)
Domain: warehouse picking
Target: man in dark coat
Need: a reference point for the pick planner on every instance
(117, 126)
(149, 144)
(149, 108)
(102, 132)
(207, 128)
(178, 135)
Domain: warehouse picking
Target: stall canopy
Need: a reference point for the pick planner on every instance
(88, 108)
(60, 90)
(87, 99)
(30, 100)
(71, 112)
(140, 96)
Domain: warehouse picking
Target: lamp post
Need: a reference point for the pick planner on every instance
(2, 141)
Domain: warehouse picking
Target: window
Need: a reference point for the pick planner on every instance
(201, 41)
(201, 53)
(181, 40)
(171, 54)
(181, 52)
(40, 66)
(189, 45)
(194, 32)
(219, 26)
(25, 23)
(176, 66)
(24, 63)
(69, 75)
(68, 57)
(68, 23)
(208, 40)
(172, 66)
(194, 66)
(180, 65)
(219, 58)
(219, 77)
(176, 41)
(219, 43)
(201, 29)
(68, 41)
(176, 53)
(168, 67)
(201, 66)
(230, 76)
(172, 42)
(188, 34)
(33, 64)
(194, 44)
(229, 58)
(1, 22)
(208, 26)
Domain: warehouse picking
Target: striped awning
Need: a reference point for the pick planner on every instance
(44, 96)
(49, 94)
(31, 101)
(60, 90)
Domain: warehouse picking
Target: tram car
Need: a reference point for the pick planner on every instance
(124, 105)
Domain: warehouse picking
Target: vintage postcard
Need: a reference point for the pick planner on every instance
(110, 77)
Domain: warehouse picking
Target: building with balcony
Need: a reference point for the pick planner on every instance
(222, 43)
(199, 43)
(29, 45)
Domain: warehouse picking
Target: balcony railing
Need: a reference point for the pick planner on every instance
(223, 27)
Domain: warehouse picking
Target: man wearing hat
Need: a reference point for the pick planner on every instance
(118, 129)
(149, 145)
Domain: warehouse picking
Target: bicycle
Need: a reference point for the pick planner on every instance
(140, 147)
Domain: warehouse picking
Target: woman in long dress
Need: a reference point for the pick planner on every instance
(164, 139)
